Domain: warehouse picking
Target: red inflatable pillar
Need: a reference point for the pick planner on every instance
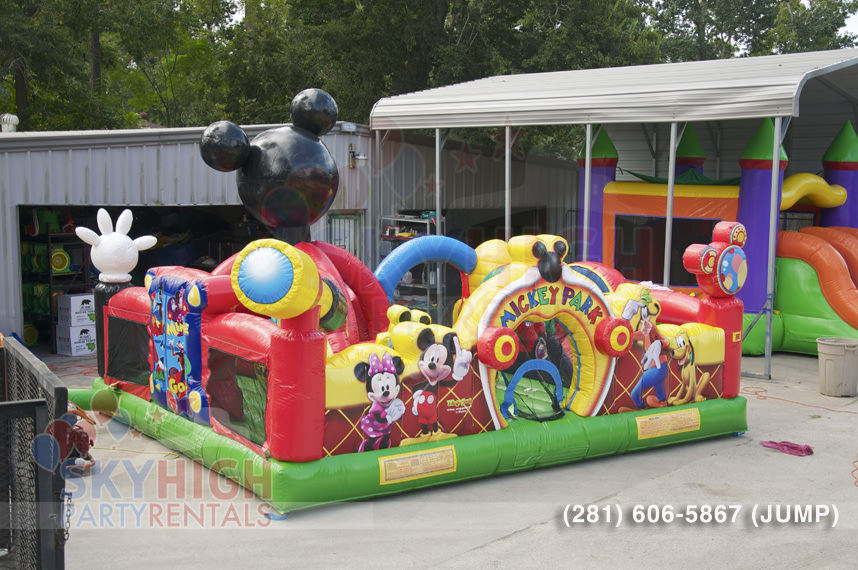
(721, 269)
(295, 418)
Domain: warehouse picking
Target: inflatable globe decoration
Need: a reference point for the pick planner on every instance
(721, 267)
(286, 177)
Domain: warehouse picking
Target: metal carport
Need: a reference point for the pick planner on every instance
(674, 93)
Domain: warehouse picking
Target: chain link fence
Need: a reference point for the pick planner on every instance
(32, 530)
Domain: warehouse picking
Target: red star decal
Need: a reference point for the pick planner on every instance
(499, 137)
(429, 185)
(466, 159)
(157, 416)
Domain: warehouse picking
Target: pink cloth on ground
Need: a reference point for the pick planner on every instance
(788, 447)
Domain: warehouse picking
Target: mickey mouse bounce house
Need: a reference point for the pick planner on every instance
(287, 369)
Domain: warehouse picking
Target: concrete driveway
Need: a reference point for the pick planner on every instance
(150, 508)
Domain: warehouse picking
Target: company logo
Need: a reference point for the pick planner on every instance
(119, 484)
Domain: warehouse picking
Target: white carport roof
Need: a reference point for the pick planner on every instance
(750, 87)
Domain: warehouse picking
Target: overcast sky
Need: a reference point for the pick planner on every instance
(852, 24)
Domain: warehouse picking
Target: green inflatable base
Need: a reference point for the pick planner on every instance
(801, 314)
(523, 445)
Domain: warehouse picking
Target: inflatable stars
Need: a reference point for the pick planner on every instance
(721, 267)
(287, 178)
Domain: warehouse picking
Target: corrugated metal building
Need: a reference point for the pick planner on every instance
(145, 167)
(162, 167)
(473, 182)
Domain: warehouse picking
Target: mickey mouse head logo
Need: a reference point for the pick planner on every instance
(721, 267)
(287, 178)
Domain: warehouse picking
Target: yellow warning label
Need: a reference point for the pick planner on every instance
(658, 425)
(416, 465)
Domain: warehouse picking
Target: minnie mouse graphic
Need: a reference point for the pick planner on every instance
(381, 377)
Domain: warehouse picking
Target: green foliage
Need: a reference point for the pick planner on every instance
(268, 59)
(359, 50)
(584, 35)
(78, 64)
(73, 64)
(811, 26)
(715, 29)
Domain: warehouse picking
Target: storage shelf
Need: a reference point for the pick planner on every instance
(409, 219)
(416, 285)
(78, 281)
(401, 238)
(422, 293)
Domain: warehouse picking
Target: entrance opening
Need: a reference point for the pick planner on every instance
(537, 384)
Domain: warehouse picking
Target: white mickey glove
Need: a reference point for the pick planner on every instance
(463, 361)
(395, 410)
(652, 356)
(414, 399)
(631, 309)
(113, 253)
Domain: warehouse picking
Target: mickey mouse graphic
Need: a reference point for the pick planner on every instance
(381, 377)
(177, 386)
(157, 323)
(440, 363)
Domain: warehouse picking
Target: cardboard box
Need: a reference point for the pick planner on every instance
(76, 310)
(76, 341)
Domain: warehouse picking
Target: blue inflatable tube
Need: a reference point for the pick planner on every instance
(422, 250)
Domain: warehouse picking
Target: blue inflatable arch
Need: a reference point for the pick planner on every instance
(424, 249)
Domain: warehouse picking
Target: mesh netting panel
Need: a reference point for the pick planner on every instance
(26, 378)
(533, 396)
(5, 483)
(25, 515)
(238, 389)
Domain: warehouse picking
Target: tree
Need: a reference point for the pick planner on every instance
(811, 26)
(497, 38)
(366, 50)
(715, 29)
(582, 35)
(268, 58)
(172, 55)
(98, 63)
(32, 45)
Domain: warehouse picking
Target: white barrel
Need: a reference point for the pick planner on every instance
(838, 366)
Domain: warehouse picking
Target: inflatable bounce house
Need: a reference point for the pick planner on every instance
(287, 369)
(816, 267)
